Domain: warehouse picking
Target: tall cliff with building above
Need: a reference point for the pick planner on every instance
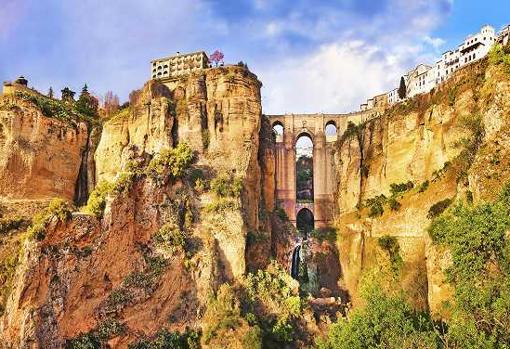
(183, 203)
(171, 223)
(403, 177)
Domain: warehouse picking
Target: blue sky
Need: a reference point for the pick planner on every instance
(311, 55)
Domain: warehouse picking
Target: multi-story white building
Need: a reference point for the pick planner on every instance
(419, 80)
(393, 96)
(424, 78)
(178, 65)
(477, 46)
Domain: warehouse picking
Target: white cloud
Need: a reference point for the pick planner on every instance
(367, 59)
(434, 42)
(334, 79)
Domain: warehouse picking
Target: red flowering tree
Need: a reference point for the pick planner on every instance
(217, 57)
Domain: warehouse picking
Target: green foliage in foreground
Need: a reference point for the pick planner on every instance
(165, 339)
(477, 238)
(386, 321)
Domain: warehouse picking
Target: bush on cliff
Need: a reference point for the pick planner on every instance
(170, 163)
(97, 198)
(165, 339)
(386, 321)
(477, 237)
(227, 185)
(57, 208)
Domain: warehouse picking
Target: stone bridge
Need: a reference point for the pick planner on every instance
(324, 147)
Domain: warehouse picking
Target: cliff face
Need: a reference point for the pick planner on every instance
(89, 272)
(427, 142)
(40, 156)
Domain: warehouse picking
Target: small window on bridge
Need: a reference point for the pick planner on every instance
(330, 129)
(278, 131)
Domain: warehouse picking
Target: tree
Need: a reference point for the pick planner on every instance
(67, 95)
(87, 104)
(111, 103)
(402, 90)
(217, 57)
(50, 92)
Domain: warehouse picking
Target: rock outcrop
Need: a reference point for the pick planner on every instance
(422, 141)
(40, 156)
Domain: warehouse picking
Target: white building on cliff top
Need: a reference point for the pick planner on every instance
(424, 77)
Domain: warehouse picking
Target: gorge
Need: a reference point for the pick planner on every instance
(174, 218)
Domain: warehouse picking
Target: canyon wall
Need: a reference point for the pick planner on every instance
(86, 270)
(40, 155)
(422, 141)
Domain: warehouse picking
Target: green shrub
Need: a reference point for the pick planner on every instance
(110, 328)
(118, 298)
(387, 321)
(223, 312)
(498, 55)
(57, 208)
(269, 299)
(84, 341)
(400, 188)
(170, 163)
(469, 197)
(9, 224)
(227, 185)
(324, 234)
(222, 205)
(165, 339)
(394, 204)
(98, 337)
(253, 338)
(477, 237)
(171, 238)
(438, 208)
(424, 186)
(376, 206)
(391, 246)
(97, 198)
(280, 212)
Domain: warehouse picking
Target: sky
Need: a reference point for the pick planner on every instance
(312, 56)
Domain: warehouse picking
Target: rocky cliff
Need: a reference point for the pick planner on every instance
(394, 171)
(181, 192)
(41, 155)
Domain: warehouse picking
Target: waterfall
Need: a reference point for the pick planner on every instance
(81, 192)
(294, 269)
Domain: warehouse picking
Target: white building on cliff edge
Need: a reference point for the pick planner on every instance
(424, 78)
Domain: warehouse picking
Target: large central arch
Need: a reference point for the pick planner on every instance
(324, 130)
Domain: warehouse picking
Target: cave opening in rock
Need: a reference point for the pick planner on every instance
(304, 169)
(305, 222)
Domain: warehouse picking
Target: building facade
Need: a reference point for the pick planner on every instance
(178, 65)
(424, 78)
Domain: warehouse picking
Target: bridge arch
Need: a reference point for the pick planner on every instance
(305, 221)
(323, 130)
(278, 130)
(330, 129)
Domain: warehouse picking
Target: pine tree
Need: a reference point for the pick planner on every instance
(402, 90)
(50, 92)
